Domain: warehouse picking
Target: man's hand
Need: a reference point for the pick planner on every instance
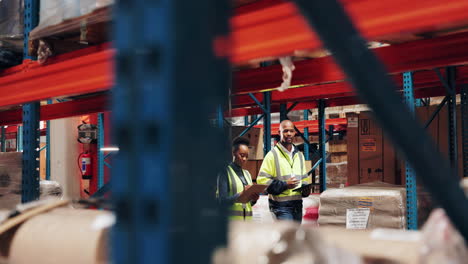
(292, 183)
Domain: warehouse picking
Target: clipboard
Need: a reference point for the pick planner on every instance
(299, 189)
(255, 188)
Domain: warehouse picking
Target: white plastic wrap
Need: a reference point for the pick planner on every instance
(442, 243)
(11, 19)
(386, 202)
(53, 12)
(50, 189)
(279, 242)
(11, 28)
(288, 68)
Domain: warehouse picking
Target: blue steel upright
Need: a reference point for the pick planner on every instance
(411, 185)
(100, 153)
(3, 138)
(168, 85)
(464, 117)
(322, 141)
(306, 135)
(452, 117)
(267, 122)
(48, 148)
(30, 180)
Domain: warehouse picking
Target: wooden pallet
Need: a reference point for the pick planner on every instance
(73, 34)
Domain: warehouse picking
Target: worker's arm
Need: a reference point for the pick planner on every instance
(267, 175)
(223, 190)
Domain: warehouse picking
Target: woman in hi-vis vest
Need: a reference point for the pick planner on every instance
(233, 180)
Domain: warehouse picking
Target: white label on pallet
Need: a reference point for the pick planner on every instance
(357, 218)
(353, 121)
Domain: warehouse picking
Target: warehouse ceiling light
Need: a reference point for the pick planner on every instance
(109, 149)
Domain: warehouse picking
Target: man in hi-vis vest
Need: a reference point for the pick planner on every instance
(234, 180)
(283, 169)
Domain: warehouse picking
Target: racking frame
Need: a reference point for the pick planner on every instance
(139, 201)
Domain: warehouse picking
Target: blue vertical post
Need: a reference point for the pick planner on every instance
(464, 117)
(452, 117)
(267, 122)
(3, 139)
(283, 112)
(411, 185)
(30, 181)
(48, 148)
(246, 120)
(220, 117)
(163, 50)
(306, 135)
(19, 139)
(322, 140)
(100, 142)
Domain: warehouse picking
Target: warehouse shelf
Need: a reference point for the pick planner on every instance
(266, 29)
(412, 56)
(313, 125)
(80, 72)
(284, 30)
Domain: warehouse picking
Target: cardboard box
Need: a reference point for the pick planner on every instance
(255, 136)
(370, 157)
(386, 204)
(253, 166)
(338, 157)
(338, 146)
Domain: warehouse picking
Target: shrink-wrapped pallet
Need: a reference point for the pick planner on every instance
(364, 206)
(11, 32)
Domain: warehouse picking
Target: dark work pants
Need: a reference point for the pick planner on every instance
(291, 210)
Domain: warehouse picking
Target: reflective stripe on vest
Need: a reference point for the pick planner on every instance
(236, 211)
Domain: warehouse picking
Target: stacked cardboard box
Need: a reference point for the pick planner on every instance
(386, 205)
(255, 136)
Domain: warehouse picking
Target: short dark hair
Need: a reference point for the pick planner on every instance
(239, 141)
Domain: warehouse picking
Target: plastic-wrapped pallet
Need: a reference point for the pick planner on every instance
(10, 179)
(363, 206)
(50, 189)
(53, 12)
(11, 21)
(11, 32)
(280, 242)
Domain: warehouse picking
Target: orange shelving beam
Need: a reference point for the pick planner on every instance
(273, 28)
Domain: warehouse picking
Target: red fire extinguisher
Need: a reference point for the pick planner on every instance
(86, 165)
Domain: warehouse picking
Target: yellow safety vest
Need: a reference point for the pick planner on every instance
(239, 211)
(277, 165)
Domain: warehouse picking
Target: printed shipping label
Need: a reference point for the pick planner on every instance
(353, 122)
(357, 218)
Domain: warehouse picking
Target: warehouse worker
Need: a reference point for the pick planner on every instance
(234, 180)
(283, 169)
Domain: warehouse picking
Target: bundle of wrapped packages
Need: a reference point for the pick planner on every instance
(279, 242)
(364, 206)
(44, 229)
(288, 242)
(11, 32)
(437, 242)
(10, 182)
(50, 189)
(53, 12)
(10, 179)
